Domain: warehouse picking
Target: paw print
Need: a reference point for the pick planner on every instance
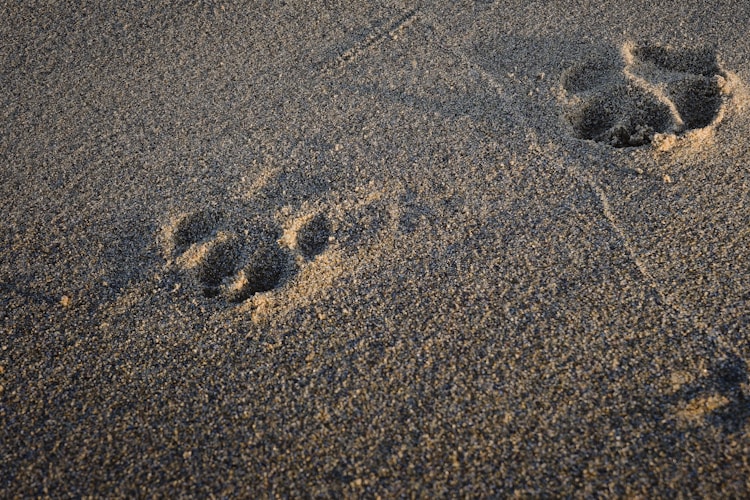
(654, 93)
(233, 263)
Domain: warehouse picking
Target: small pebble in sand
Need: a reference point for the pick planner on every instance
(65, 301)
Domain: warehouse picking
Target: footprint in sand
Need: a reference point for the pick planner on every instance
(653, 95)
(234, 264)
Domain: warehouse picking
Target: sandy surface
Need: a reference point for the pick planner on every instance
(458, 248)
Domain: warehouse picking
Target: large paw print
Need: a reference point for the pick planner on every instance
(654, 93)
(233, 264)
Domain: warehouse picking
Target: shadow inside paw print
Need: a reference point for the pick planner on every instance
(623, 116)
(192, 228)
(697, 100)
(657, 90)
(588, 75)
(312, 238)
(696, 61)
(235, 265)
(218, 261)
(263, 272)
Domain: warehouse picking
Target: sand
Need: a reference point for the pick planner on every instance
(385, 249)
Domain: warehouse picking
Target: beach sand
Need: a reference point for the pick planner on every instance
(386, 249)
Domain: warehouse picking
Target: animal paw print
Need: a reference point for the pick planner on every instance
(234, 264)
(658, 92)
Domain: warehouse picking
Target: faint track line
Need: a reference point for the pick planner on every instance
(681, 312)
(615, 224)
(440, 40)
(375, 37)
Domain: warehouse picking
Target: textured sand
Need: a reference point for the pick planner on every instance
(320, 249)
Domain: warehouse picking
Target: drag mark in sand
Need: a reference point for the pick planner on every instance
(655, 95)
(665, 298)
(730, 407)
(376, 36)
(612, 219)
(510, 106)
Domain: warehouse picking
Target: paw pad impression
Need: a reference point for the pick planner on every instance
(659, 91)
(235, 265)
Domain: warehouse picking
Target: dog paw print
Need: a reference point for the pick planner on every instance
(233, 263)
(654, 93)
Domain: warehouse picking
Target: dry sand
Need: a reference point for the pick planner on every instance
(321, 249)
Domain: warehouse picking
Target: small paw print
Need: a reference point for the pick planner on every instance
(232, 264)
